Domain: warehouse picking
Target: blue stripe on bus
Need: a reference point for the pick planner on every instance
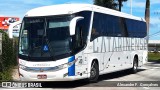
(71, 69)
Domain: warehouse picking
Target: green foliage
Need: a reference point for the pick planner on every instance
(106, 3)
(6, 75)
(8, 57)
(120, 4)
(112, 4)
(15, 50)
(154, 56)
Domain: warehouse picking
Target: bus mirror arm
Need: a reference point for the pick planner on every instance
(73, 24)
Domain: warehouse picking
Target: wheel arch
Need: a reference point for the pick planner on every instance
(136, 56)
(90, 64)
(96, 61)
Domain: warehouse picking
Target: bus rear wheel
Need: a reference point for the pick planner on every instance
(94, 73)
(135, 66)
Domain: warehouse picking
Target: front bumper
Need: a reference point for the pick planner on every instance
(61, 75)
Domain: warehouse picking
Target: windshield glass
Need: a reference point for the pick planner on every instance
(45, 37)
(48, 38)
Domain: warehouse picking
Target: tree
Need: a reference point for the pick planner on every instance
(106, 3)
(7, 59)
(147, 14)
(147, 17)
(120, 4)
(112, 4)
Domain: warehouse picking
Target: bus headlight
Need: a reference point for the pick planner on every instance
(22, 67)
(66, 64)
(62, 66)
(56, 68)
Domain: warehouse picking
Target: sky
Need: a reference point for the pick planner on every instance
(18, 8)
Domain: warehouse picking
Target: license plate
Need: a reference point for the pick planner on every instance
(42, 76)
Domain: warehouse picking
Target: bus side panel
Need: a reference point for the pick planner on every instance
(81, 65)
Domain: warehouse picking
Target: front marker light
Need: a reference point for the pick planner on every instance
(65, 65)
(62, 66)
(22, 67)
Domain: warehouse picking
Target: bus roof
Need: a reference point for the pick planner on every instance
(63, 9)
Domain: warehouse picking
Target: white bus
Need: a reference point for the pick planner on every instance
(76, 41)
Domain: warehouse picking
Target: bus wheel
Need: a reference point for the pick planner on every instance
(94, 73)
(135, 66)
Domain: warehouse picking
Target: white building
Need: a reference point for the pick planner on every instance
(154, 45)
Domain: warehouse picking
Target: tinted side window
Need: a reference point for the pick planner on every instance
(81, 32)
(97, 26)
(107, 25)
(143, 29)
(84, 23)
(123, 27)
(113, 26)
(136, 28)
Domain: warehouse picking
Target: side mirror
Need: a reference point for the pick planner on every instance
(73, 24)
(11, 27)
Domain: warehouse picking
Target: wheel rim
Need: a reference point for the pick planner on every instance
(135, 66)
(93, 72)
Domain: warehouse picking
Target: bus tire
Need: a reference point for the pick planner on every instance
(94, 73)
(135, 66)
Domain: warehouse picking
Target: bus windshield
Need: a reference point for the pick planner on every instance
(45, 37)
